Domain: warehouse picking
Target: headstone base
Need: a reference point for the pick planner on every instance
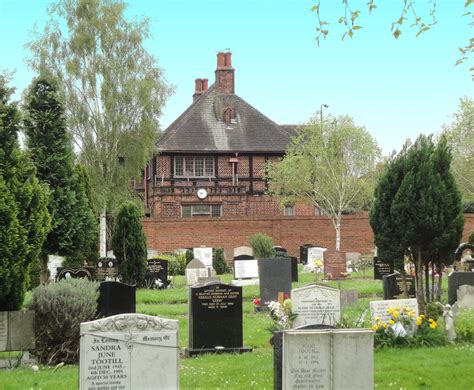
(189, 352)
(245, 282)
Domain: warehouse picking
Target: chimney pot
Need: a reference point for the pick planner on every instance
(198, 83)
(228, 61)
(220, 60)
(224, 73)
(204, 85)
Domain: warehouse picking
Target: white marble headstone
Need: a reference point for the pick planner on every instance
(315, 257)
(246, 269)
(54, 262)
(380, 308)
(316, 305)
(129, 351)
(195, 270)
(328, 359)
(204, 255)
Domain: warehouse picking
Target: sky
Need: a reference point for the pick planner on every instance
(397, 89)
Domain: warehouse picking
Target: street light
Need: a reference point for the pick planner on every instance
(321, 113)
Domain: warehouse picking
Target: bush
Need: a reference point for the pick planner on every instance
(34, 274)
(433, 310)
(218, 261)
(468, 207)
(177, 264)
(465, 326)
(59, 310)
(262, 246)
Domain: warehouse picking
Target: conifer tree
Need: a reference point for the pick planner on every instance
(73, 221)
(129, 244)
(24, 218)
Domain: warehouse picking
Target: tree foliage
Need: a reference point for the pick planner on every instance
(332, 167)
(262, 246)
(73, 223)
(460, 134)
(24, 218)
(129, 244)
(417, 207)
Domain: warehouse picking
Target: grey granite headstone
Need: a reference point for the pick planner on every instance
(17, 331)
(455, 280)
(349, 298)
(243, 250)
(316, 305)
(380, 308)
(275, 278)
(128, 352)
(465, 295)
(328, 359)
(195, 270)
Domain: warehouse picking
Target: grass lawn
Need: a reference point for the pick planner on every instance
(448, 367)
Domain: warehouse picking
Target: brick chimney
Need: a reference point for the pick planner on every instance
(224, 73)
(200, 88)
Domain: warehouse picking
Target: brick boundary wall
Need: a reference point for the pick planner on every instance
(289, 232)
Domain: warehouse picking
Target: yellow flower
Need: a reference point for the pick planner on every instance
(390, 310)
(431, 320)
(406, 308)
(375, 327)
(398, 308)
(377, 318)
(391, 322)
(395, 314)
(385, 326)
(422, 316)
(419, 320)
(433, 325)
(411, 314)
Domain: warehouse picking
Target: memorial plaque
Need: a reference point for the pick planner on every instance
(17, 331)
(316, 305)
(328, 359)
(457, 279)
(380, 308)
(115, 298)
(395, 288)
(334, 264)
(275, 278)
(215, 319)
(245, 269)
(382, 268)
(157, 272)
(106, 269)
(74, 273)
(129, 351)
(204, 255)
(195, 270)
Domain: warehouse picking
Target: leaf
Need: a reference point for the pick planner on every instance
(422, 30)
(397, 33)
(356, 27)
(350, 33)
(315, 8)
(468, 3)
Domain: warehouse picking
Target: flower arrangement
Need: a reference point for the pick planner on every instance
(281, 315)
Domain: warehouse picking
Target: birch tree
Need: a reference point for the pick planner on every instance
(330, 164)
(113, 89)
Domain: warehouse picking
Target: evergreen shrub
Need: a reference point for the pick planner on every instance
(218, 261)
(59, 310)
(262, 246)
(177, 264)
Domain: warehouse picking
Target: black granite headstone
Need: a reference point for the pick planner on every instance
(215, 319)
(106, 268)
(244, 257)
(455, 280)
(66, 273)
(294, 269)
(382, 268)
(304, 253)
(157, 273)
(275, 278)
(115, 298)
(277, 341)
(280, 251)
(394, 287)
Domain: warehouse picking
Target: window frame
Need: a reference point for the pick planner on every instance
(196, 210)
(190, 165)
(289, 207)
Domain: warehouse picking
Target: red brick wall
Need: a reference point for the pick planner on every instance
(356, 234)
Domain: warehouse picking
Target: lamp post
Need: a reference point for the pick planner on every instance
(321, 113)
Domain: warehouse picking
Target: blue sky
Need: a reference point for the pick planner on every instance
(396, 88)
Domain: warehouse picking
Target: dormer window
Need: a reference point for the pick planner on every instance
(229, 116)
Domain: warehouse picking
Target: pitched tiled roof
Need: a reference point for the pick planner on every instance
(201, 128)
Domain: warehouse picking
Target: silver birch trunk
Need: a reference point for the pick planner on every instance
(103, 233)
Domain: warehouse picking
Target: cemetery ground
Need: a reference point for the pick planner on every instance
(409, 368)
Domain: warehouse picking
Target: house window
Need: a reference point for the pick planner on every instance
(193, 166)
(289, 211)
(317, 211)
(196, 210)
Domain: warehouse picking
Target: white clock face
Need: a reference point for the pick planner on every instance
(201, 193)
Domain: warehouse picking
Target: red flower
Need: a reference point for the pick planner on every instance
(256, 301)
(287, 296)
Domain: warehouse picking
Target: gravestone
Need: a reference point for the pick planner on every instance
(115, 298)
(107, 269)
(353, 260)
(280, 251)
(316, 305)
(382, 268)
(129, 351)
(328, 359)
(465, 297)
(157, 272)
(210, 279)
(151, 253)
(349, 298)
(17, 331)
(304, 253)
(394, 287)
(294, 269)
(215, 319)
(75, 273)
(245, 268)
(455, 280)
(204, 255)
(380, 308)
(195, 270)
(54, 262)
(315, 260)
(243, 251)
(334, 264)
(275, 279)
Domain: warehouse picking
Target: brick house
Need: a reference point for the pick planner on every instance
(211, 159)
